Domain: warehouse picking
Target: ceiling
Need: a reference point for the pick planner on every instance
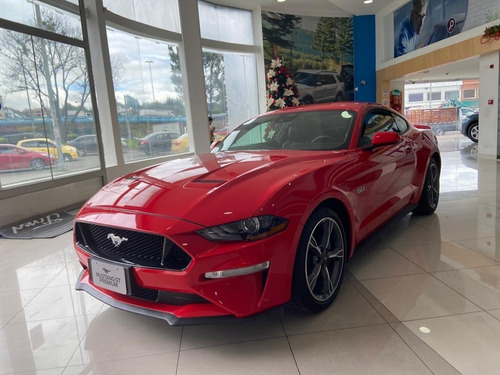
(465, 69)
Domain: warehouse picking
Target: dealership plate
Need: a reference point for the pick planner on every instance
(108, 275)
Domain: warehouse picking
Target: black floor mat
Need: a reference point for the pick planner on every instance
(44, 226)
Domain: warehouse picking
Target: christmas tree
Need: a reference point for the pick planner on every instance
(281, 88)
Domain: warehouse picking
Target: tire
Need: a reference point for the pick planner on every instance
(430, 191)
(67, 157)
(440, 131)
(81, 152)
(319, 262)
(308, 100)
(37, 164)
(473, 132)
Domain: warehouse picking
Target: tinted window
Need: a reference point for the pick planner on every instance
(330, 79)
(377, 122)
(401, 124)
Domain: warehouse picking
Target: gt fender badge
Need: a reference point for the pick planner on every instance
(360, 189)
(117, 240)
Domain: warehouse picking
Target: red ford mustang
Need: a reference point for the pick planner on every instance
(269, 217)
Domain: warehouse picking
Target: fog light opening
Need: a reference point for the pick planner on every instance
(237, 271)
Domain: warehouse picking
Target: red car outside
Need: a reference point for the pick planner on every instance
(14, 157)
(269, 217)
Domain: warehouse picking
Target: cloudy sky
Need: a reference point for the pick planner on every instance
(131, 53)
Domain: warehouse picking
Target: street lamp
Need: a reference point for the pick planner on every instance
(151, 77)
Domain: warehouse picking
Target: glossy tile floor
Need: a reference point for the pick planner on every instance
(422, 296)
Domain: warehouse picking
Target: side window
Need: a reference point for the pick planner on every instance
(377, 122)
(322, 79)
(339, 78)
(330, 79)
(401, 124)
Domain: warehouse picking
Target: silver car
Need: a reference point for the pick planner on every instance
(317, 86)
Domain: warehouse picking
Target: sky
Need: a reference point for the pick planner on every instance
(130, 51)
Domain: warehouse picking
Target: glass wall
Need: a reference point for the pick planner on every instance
(225, 24)
(149, 94)
(163, 14)
(45, 100)
(43, 17)
(230, 76)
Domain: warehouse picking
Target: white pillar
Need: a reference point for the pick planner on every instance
(489, 116)
(105, 92)
(193, 78)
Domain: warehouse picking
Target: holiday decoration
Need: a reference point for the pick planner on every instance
(492, 32)
(281, 88)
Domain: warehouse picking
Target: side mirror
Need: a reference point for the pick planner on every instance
(384, 139)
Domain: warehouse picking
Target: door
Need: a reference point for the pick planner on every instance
(384, 185)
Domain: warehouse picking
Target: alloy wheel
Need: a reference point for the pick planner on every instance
(324, 259)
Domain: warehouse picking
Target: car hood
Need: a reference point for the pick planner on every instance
(208, 189)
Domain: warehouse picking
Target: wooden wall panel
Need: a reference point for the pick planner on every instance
(458, 51)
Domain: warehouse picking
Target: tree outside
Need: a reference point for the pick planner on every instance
(213, 67)
(53, 74)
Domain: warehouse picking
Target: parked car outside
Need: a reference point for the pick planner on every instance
(85, 144)
(317, 86)
(180, 144)
(14, 157)
(48, 145)
(269, 217)
(154, 143)
(470, 127)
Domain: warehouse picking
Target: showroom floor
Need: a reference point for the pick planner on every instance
(422, 296)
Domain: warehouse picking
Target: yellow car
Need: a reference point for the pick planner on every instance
(180, 144)
(50, 146)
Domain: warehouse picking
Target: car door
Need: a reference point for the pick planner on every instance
(6, 161)
(47, 146)
(331, 87)
(91, 143)
(385, 176)
(321, 90)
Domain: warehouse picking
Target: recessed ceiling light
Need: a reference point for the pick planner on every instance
(281, 1)
(368, 1)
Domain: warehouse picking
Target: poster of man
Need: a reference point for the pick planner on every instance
(419, 23)
(318, 51)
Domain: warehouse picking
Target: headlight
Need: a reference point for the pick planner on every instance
(251, 229)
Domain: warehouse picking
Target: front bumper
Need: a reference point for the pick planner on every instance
(190, 295)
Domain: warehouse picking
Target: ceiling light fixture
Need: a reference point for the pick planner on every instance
(368, 1)
(281, 1)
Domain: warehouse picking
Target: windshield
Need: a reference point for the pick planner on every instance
(312, 130)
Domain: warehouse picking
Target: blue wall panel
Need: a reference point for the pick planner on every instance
(365, 84)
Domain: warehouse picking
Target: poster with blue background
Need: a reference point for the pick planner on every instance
(419, 23)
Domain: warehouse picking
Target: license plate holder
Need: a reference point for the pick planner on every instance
(110, 276)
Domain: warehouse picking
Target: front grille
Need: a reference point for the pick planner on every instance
(131, 247)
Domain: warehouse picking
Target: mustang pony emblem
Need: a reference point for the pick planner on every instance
(117, 240)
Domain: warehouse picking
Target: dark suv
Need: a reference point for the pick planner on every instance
(470, 127)
(316, 86)
(154, 143)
